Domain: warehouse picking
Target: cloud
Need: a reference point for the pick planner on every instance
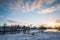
(8, 19)
(49, 10)
(1, 16)
(36, 4)
(57, 21)
(54, 20)
(27, 6)
(50, 1)
(12, 21)
(19, 6)
(39, 3)
(16, 22)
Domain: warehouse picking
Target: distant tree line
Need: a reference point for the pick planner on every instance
(24, 29)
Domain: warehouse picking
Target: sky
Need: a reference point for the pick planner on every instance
(24, 12)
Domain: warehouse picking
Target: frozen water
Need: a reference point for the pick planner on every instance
(38, 36)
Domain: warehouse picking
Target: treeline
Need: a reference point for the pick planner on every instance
(18, 29)
(25, 29)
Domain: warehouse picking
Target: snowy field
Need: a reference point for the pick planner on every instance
(37, 36)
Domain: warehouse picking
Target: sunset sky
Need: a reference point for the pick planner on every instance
(29, 11)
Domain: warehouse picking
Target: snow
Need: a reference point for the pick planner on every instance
(38, 36)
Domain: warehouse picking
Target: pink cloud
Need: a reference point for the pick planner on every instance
(49, 10)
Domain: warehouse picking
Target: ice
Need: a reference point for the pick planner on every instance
(38, 36)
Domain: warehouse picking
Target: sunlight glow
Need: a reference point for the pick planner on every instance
(51, 23)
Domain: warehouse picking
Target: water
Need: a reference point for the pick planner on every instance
(51, 30)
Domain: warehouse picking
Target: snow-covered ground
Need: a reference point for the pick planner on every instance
(37, 36)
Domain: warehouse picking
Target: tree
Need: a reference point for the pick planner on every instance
(4, 28)
(24, 29)
(42, 28)
(28, 29)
